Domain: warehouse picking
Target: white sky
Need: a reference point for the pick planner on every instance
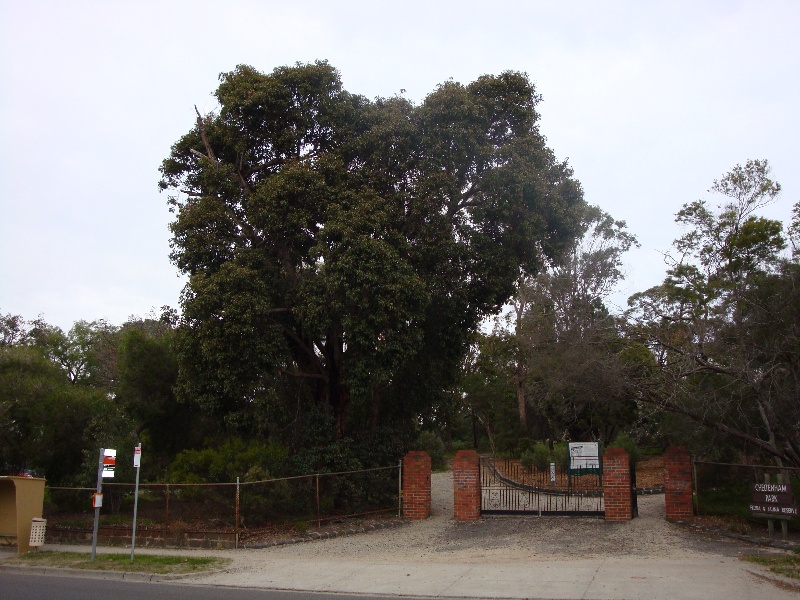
(651, 101)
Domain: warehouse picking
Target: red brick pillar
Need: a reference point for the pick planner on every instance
(466, 486)
(417, 485)
(617, 485)
(678, 483)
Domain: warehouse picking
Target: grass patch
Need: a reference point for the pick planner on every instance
(787, 565)
(143, 563)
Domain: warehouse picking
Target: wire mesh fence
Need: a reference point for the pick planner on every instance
(727, 489)
(231, 507)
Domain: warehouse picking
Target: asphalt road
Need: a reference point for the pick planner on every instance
(51, 587)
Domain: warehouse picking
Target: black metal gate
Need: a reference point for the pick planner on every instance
(507, 487)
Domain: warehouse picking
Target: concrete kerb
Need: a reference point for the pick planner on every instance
(107, 573)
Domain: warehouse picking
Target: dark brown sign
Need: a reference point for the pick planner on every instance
(773, 499)
(766, 498)
(774, 509)
(773, 488)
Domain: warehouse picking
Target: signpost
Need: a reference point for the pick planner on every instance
(774, 501)
(137, 460)
(105, 468)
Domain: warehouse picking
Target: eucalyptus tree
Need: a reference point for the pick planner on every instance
(724, 326)
(340, 251)
(563, 348)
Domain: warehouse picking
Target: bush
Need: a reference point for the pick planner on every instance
(625, 441)
(430, 443)
(527, 459)
(524, 445)
(561, 455)
(541, 456)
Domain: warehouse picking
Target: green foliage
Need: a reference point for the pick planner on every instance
(341, 251)
(434, 446)
(249, 460)
(524, 445)
(527, 459)
(561, 455)
(541, 457)
(51, 425)
(723, 326)
(625, 441)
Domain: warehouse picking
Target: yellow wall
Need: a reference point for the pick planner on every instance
(21, 500)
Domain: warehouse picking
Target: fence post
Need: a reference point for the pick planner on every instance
(417, 485)
(400, 489)
(678, 483)
(466, 486)
(617, 485)
(166, 511)
(319, 523)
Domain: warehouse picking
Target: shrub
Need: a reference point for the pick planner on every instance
(527, 459)
(561, 455)
(524, 445)
(625, 441)
(541, 456)
(430, 443)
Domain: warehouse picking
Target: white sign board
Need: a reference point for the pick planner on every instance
(584, 455)
(137, 457)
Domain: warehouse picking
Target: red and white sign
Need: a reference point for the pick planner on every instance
(137, 456)
(109, 462)
(97, 500)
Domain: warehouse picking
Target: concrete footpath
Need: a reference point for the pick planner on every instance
(558, 578)
(599, 578)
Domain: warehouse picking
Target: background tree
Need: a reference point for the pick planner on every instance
(52, 421)
(724, 325)
(341, 251)
(560, 347)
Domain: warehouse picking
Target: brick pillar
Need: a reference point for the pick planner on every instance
(417, 485)
(466, 486)
(678, 483)
(617, 485)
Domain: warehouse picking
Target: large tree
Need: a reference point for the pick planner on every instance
(340, 250)
(724, 326)
(559, 346)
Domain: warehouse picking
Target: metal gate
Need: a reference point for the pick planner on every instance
(509, 488)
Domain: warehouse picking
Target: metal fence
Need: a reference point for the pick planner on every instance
(508, 487)
(235, 507)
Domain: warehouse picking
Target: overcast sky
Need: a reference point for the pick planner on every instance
(650, 101)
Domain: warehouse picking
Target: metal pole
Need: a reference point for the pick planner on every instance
(97, 509)
(400, 489)
(319, 524)
(696, 489)
(236, 529)
(135, 498)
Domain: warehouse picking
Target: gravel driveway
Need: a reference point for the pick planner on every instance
(510, 539)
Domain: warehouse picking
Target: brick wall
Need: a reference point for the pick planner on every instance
(678, 483)
(617, 485)
(417, 485)
(466, 486)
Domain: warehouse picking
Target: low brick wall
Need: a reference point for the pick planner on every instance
(678, 483)
(417, 485)
(617, 490)
(466, 486)
(145, 538)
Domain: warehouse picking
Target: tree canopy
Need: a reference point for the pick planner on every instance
(724, 326)
(341, 250)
